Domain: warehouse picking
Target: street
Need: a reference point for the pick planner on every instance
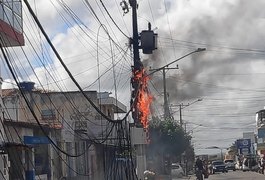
(237, 175)
(232, 176)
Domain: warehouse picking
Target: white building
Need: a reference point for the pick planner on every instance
(70, 121)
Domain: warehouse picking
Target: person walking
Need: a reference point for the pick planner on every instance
(262, 163)
(199, 169)
(205, 169)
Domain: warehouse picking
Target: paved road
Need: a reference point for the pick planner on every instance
(237, 175)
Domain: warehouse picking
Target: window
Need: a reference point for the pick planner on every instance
(11, 13)
(48, 114)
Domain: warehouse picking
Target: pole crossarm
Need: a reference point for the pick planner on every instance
(186, 105)
(166, 68)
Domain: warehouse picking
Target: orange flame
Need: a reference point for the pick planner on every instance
(144, 98)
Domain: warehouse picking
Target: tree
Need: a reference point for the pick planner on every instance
(167, 141)
(232, 150)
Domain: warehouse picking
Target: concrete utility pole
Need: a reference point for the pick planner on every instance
(166, 106)
(137, 66)
(181, 106)
(167, 114)
(180, 116)
(148, 44)
(135, 40)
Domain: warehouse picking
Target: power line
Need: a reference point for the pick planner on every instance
(113, 20)
(65, 67)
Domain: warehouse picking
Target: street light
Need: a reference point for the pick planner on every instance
(191, 131)
(166, 106)
(195, 51)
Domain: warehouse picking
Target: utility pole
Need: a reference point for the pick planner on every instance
(167, 114)
(137, 66)
(148, 44)
(181, 106)
(180, 116)
(185, 130)
(135, 40)
(166, 106)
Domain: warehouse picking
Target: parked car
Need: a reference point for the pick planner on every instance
(176, 170)
(218, 166)
(230, 164)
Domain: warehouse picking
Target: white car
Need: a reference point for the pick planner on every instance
(176, 170)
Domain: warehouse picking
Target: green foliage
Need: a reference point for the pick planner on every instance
(232, 149)
(167, 138)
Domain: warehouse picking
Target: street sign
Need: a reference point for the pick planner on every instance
(243, 146)
(36, 140)
(243, 143)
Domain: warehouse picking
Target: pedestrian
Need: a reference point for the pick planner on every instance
(262, 164)
(249, 162)
(205, 169)
(199, 169)
(210, 167)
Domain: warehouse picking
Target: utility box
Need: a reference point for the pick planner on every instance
(138, 136)
(148, 41)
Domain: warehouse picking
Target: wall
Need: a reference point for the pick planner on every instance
(72, 116)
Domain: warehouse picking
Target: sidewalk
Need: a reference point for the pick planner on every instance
(165, 177)
(188, 177)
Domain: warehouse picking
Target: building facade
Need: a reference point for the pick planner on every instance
(260, 121)
(11, 34)
(11, 28)
(72, 124)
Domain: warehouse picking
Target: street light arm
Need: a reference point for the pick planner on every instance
(197, 50)
(192, 102)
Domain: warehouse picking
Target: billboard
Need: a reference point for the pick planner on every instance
(261, 133)
(243, 143)
(243, 146)
(36, 140)
(249, 135)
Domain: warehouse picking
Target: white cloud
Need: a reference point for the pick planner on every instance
(232, 76)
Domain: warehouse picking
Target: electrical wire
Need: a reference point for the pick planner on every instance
(65, 67)
(113, 19)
